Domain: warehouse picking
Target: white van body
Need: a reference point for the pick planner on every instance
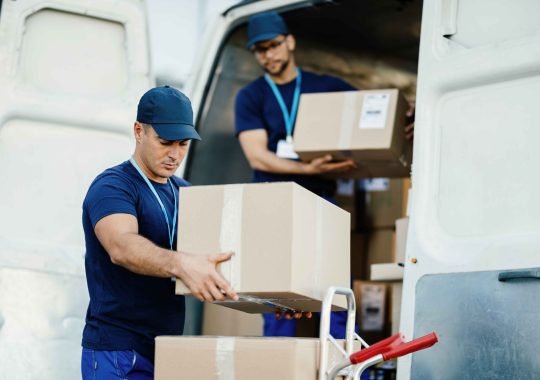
(71, 73)
(474, 206)
(66, 113)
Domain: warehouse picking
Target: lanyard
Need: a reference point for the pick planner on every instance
(169, 229)
(287, 118)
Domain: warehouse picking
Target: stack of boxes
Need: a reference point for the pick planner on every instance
(291, 245)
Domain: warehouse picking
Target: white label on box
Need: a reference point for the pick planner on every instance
(372, 307)
(374, 110)
(375, 184)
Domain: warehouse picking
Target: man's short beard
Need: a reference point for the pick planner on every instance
(280, 70)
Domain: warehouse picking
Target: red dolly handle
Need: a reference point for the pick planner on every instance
(384, 345)
(412, 346)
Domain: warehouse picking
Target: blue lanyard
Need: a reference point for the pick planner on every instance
(169, 229)
(287, 118)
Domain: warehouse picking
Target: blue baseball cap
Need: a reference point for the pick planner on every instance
(169, 112)
(265, 26)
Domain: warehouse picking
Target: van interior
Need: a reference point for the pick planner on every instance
(372, 44)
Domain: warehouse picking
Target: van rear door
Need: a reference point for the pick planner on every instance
(475, 211)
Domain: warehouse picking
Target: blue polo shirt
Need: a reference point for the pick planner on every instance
(257, 108)
(128, 310)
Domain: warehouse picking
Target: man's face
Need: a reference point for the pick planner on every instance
(274, 55)
(159, 158)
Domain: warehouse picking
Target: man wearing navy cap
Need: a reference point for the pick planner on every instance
(265, 112)
(129, 221)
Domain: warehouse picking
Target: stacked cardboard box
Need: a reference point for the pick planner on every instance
(240, 358)
(367, 126)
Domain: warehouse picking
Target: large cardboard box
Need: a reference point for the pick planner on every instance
(238, 358)
(367, 126)
(290, 245)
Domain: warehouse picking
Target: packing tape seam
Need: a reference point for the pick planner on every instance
(225, 358)
(230, 238)
(347, 121)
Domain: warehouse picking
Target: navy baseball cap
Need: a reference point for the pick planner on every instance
(169, 112)
(265, 26)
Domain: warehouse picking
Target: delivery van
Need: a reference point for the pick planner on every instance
(470, 68)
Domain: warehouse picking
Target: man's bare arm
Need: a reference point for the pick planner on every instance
(254, 144)
(118, 233)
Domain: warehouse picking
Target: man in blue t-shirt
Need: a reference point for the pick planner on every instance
(265, 111)
(129, 221)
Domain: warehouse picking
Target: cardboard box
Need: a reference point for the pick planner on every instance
(185, 357)
(290, 245)
(384, 204)
(372, 314)
(367, 126)
(380, 247)
(223, 321)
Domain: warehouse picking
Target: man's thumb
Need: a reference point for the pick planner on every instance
(220, 257)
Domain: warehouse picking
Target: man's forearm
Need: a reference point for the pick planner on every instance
(141, 256)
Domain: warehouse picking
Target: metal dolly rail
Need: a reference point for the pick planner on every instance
(353, 364)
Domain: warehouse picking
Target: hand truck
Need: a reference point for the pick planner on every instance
(353, 364)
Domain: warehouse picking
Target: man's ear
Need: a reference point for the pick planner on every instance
(291, 42)
(138, 131)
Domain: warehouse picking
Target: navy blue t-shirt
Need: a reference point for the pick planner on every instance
(128, 310)
(257, 108)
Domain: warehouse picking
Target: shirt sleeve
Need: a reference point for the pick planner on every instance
(110, 195)
(247, 115)
(336, 84)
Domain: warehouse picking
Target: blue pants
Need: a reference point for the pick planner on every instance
(287, 327)
(110, 365)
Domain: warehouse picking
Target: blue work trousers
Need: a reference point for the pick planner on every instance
(115, 365)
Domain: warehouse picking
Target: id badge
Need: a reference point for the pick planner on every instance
(285, 149)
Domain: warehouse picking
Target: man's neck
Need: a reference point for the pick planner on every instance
(147, 172)
(286, 75)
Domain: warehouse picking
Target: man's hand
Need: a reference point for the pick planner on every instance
(323, 165)
(199, 274)
(409, 124)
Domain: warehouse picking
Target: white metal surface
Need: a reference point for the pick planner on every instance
(71, 74)
(474, 202)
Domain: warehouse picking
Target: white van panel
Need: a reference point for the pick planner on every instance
(71, 74)
(73, 65)
(474, 202)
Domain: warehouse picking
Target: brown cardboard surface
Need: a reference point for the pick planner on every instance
(380, 246)
(223, 321)
(331, 123)
(204, 357)
(290, 245)
(383, 208)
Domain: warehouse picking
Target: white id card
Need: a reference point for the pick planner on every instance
(286, 150)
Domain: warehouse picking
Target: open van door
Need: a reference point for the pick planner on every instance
(472, 270)
(71, 73)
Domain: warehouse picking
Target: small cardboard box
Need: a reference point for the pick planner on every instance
(290, 245)
(240, 358)
(372, 314)
(367, 126)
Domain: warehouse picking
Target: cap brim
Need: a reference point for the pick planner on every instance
(261, 38)
(175, 132)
